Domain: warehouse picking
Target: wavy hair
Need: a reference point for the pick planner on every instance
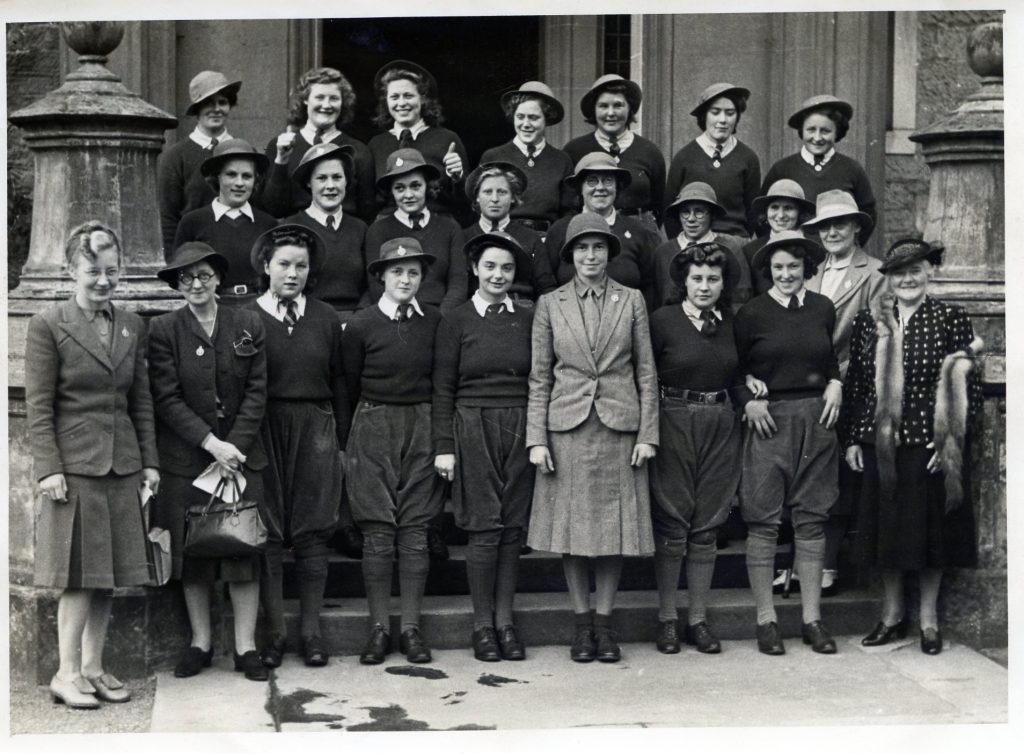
(495, 172)
(682, 263)
(290, 237)
(430, 109)
(297, 112)
(514, 101)
(89, 239)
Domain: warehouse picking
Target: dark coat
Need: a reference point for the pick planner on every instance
(189, 371)
(89, 410)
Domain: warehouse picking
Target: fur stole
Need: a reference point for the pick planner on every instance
(888, 391)
(950, 421)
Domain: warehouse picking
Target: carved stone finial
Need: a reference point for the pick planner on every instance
(94, 40)
(985, 50)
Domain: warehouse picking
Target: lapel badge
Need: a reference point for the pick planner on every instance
(717, 164)
(200, 351)
(628, 234)
(849, 284)
(615, 298)
(124, 332)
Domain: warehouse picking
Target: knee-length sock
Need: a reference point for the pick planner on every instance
(482, 574)
(311, 573)
(413, 567)
(700, 567)
(272, 589)
(809, 557)
(508, 578)
(761, 543)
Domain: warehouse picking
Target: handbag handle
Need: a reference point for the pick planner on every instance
(216, 494)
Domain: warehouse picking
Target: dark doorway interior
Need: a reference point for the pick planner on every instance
(473, 59)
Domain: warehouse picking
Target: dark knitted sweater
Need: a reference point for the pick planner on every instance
(306, 365)
(736, 183)
(643, 160)
(790, 350)
(388, 361)
(232, 238)
(841, 172)
(180, 187)
(444, 284)
(546, 197)
(281, 196)
(342, 281)
(529, 283)
(758, 279)
(687, 358)
(478, 361)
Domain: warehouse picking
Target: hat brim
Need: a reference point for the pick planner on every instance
(865, 219)
(211, 165)
(760, 203)
(379, 265)
(408, 65)
(814, 250)
(718, 208)
(431, 171)
(231, 87)
(634, 96)
(741, 91)
(551, 101)
(316, 253)
(796, 120)
(170, 271)
(932, 255)
(622, 176)
(344, 153)
(614, 245)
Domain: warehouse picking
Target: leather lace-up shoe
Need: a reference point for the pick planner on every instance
(192, 662)
(511, 645)
(769, 640)
(485, 645)
(883, 634)
(607, 648)
(584, 645)
(377, 647)
(700, 636)
(667, 640)
(251, 664)
(818, 637)
(414, 647)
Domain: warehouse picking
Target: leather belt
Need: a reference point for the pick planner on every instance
(694, 396)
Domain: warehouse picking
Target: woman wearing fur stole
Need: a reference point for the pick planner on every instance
(911, 388)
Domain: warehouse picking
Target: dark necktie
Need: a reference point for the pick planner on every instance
(494, 310)
(330, 222)
(494, 226)
(405, 139)
(819, 160)
(716, 158)
(591, 316)
(319, 138)
(530, 151)
(404, 312)
(710, 326)
(613, 148)
(213, 144)
(291, 314)
(416, 218)
(794, 302)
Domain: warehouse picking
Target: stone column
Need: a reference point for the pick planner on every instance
(966, 212)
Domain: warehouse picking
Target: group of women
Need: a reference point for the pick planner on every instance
(347, 353)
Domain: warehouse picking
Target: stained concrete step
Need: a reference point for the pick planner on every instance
(546, 618)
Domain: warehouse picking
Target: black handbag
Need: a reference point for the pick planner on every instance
(224, 530)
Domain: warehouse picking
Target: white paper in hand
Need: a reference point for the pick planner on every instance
(210, 478)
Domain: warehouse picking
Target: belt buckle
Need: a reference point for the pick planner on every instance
(240, 290)
(703, 398)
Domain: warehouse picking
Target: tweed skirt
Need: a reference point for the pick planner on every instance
(694, 477)
(303, 474)
(176, 494)
(595, 503)
(795, 468)
(389, 471)
(913, 531)
(95, 540)
(493, 485)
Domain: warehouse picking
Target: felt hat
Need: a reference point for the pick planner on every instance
(233, 149)
(541, 91)
(784, 188)
(598, 162)
(697, 191)
(187, 255)
(476, 246)
(786, 239)
(407, 65)
(796, 120)
(320, 152)
(476, 176)
(403, 161)
(264, 243)
(908, 250)
(585, 224)
(837, 203)
(400, 249)
(205, 84)
(634, 96)
(713, 92)
(698, 254)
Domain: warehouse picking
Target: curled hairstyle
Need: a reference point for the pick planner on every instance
(89, 239)
(513, 184)
(713, 257)
(618, 87)
(740, 103)
(280, 239)
(433, 187)
(514, 101)
(834, 114)
(213, 180)
(798, 251)
(430, 110)
(297, 113)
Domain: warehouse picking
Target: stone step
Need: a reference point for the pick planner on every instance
(546, 618)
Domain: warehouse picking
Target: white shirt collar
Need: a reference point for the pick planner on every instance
(809, 158)
(220, 209)
(708, 144)
(481, 305)
(204, 141)
(683, 241)
(403, 217)
(611, 218)
(416, 130)
(485, 224)
(693, 313)
(309, 134)
(831, 263)
(625, 140)
(390, 308)
(538, 146)
(784, 300)
(321, 217)
(275, 306)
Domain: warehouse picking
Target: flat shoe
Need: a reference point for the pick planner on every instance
(273, 653)
(769, 640)
(584, 645)
(413, 646)
(251, 664)
(76, 694)
(815, 634)
(109, 689)
(700, 636)
(667, 640)
(313, 652)
(607, 648)
(510, 644)
(485, 645)
(377, 647)
(883, 634)
(931, 641)
(192, 662)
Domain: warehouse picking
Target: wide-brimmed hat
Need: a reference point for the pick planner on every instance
(697, 254)
(584, 224)
(233, 149)
(261, 247)
(477, 245)
(784, 188)
(407, 65)
(787, 239)
(187, 255)
(837, 203)
(908, 250)
(205, 84)
(697, 191)
(403, 161)
(819, 100)
(713, 92)
(400, 249)
(541, 91)
(634, 96)
(474, 179)
(598, 162)
(320, 152)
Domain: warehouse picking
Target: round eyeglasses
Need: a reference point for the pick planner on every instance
(186, 278)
